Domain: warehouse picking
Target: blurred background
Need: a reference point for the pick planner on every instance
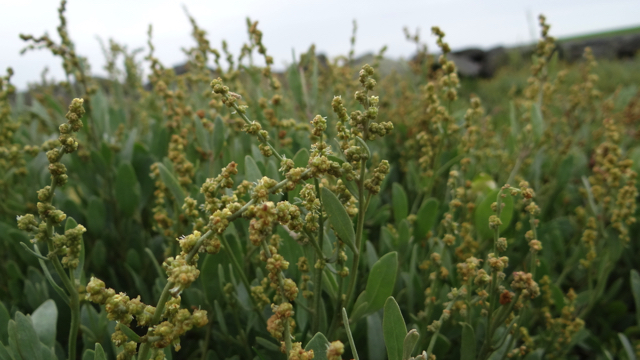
(293, 25)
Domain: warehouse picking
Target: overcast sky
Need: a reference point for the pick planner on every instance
(292, 24)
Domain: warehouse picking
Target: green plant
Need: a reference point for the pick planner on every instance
(409, 219)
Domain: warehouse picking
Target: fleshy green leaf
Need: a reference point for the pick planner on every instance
(202, 134)
(409, 343)
(537, 122)
(635, 289)
(381, 281)
(468, 347)
(394, 329)
(483, 212)
(251, 170)
(47, 353)
(375, 338)
(89, 355)
(628, 348)
(130, 333)
(267, 344)
(170, 181)
(127, 189)
(100, 355)
(45, 319)
(319, 345)
(96, 215)
(4, 353)
(339, 218)
(426, 219)
(301, 158)
(4, 320)
(400, 203)
(27, 338)
(218, 135)
(345, 321)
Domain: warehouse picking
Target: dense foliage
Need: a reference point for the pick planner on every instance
(330, 211)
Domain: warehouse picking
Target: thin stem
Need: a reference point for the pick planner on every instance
(69, 283)
(287, 330)
(243, 277)
(317, 284)
(74, 304)
(359, 229)
(432, 343)
(260, 137)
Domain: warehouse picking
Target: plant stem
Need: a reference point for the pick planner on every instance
(287, 330)
(432, 343)
(69, 283)
(317, 284)
(359, 229)
(243, 277)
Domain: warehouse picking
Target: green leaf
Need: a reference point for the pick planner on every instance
(220, 317)
(394, 329)
(45, 319)
(202, 134)
(564, 172)
(426, 219)
(127, 190)
(4, 353)
(468, 347)
(129, 332)
(126, 154)
(267, 344)
(319, 345)
(251, 170)
(483, 212)
(96, 215)
(47, 353)
(4, 320)
(628, 348)
(534, 355)
(513, 120)
(345, 321)
(381, 281)
(218, 136)
(375, 338)
(301, 158)
(89, 355)
(100, 355)
(170, 181)
(635, 289)
(400, 203)
(409, 343)
(27, 338)
(537, 122)
(339, 218)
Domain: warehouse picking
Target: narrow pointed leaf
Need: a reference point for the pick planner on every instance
(381, 281)
(400, 203)
(172, 183)
(635, 289)
(251, 170)
(394, 329)
(409, 343)
(100, 355)
(468, 348)
(339, 218)
(426, 219)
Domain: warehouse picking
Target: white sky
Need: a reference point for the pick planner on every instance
(292, 24)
